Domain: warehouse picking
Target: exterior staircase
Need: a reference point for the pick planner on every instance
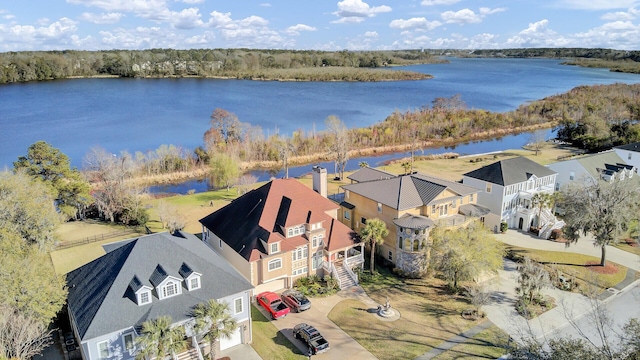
(191, 354)
(345, 279)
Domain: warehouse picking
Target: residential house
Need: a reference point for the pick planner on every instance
(145, 278)
(282, 231)
(509, 186)
(630, 154)
(369, 174)
(410, 205)
(606, 165)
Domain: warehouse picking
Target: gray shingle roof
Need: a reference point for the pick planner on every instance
(407, 191)
(101, 298)
(603, 160)
(631, 147)
(510, 171)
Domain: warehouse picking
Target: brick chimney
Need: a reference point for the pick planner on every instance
(320, 180)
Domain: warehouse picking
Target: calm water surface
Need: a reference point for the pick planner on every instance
(142, 114)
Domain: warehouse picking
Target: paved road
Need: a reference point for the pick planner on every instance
(570, 306)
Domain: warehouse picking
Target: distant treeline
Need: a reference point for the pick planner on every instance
(233, 63)
(615, 60)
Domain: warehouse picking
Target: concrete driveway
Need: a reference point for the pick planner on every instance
(341, 345)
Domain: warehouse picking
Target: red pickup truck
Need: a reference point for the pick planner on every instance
(273, 304)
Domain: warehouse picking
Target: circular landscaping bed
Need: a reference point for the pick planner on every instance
(608, 269)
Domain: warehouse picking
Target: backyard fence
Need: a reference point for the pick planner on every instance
(96, 238)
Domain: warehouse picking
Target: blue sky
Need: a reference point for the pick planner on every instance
(318, 24)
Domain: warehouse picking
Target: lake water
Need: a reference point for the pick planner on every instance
(142, 114)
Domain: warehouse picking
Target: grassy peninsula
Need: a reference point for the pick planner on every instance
(254, 64)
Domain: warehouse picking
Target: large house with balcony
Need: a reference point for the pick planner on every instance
(606, 165)
(145, 278)
(282, 231)
(509, 186)
(410, 205)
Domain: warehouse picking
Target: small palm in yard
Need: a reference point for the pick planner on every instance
(374, 231)
(213, 312)
(160, 339)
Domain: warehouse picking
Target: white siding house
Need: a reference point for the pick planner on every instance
(509, 186)
(607, 165)
(145, 278)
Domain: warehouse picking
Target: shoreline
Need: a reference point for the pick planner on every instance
(199, 173)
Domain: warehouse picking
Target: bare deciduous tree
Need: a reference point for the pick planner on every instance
(21, 337)
(246, 182)
(600, 208)
(340, 143)
(532, 279)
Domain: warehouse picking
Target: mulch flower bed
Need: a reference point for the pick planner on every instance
(608, 269)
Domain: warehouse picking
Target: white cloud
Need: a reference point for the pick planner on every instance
(371, 34)
(296, 29)
(6, 15)
(438, 2)
(414, 23)
(104, 18)
(355, 11)
(598, 4)
(252, 31)
(538, 34)
(617, 34)
(57, 35)
(185, 19)
(464, 16)
(468, 16)
(192, 1)
(630, 14)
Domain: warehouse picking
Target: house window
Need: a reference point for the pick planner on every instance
(629, 156)
(320, 239)
(572, 175)
(129, 344)
(390, 255)
(300, 271)
(103, 350)
(145, 297)
(275, 264)
(379, 207)
(400, 242)
(488, 188)
(316, 260)
(433, 209)
(347, 215)
(274, 248)
(363, 221)
(300, 253)
(194, 283)
(220, 246)
(237, 305)
(557, 186)
(416, 243)
(290, 232)
(170, 289)
(470, 198)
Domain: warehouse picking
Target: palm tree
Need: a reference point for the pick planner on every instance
(160, 339)
(363, 164)
(214, 313)
(541, 200)
(374, 231)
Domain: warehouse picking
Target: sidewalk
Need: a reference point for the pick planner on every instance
(568, 305)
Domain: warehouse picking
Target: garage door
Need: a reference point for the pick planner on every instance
(235, 339)
(274, 285)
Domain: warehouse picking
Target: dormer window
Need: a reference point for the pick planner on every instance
(194, 283)
(191, 278)
(142, 292)
(170, 289)
(144, 297)
(274, 248)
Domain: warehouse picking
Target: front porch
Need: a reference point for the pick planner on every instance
(341, 263)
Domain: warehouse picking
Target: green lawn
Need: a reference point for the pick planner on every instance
(430, 315)
(270, 343)
(573, 265)
(485, 345)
